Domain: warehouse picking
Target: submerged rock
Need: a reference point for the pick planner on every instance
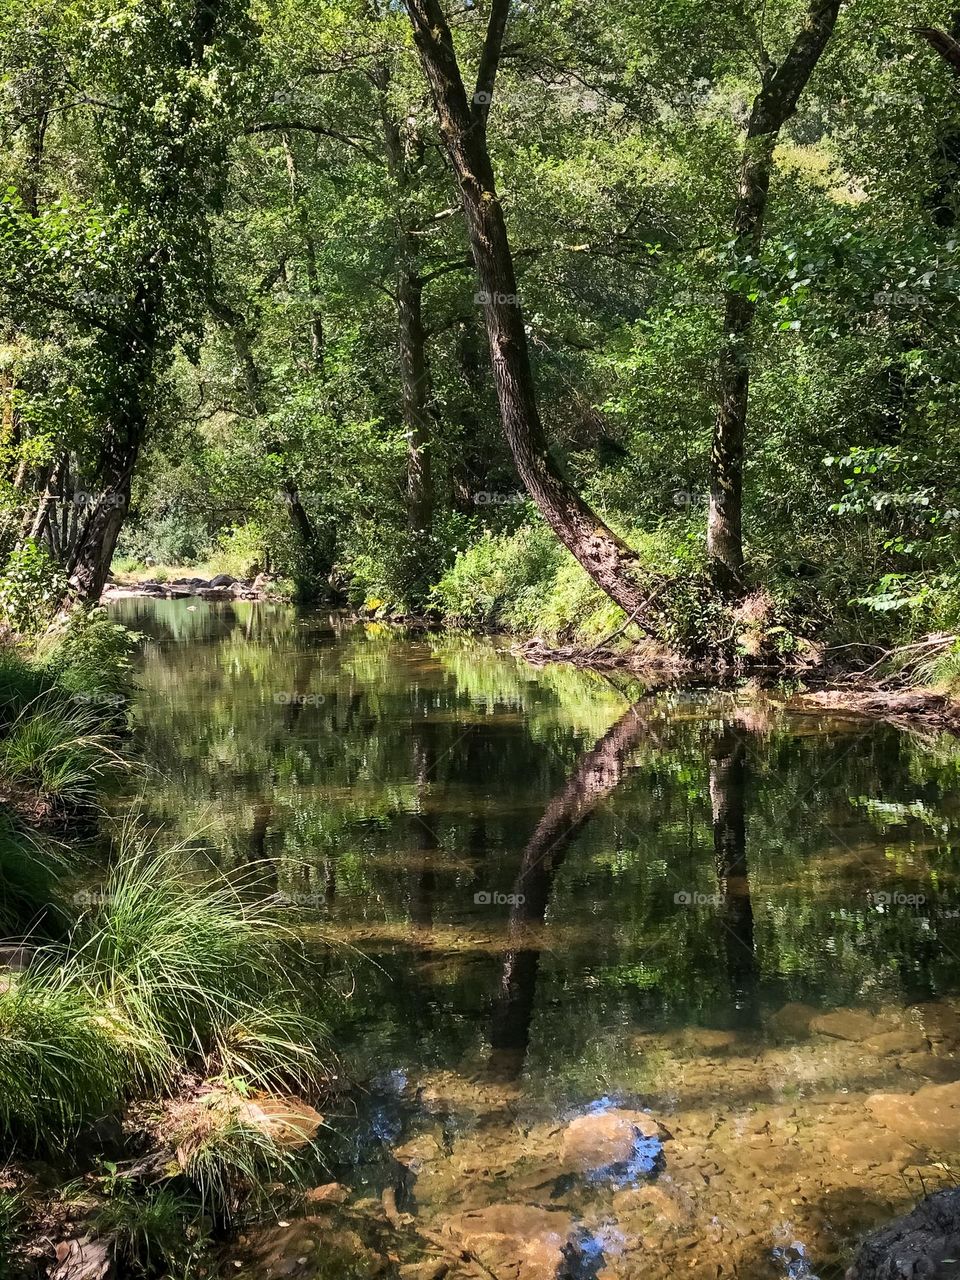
(515, 1241)
(612, 1141)
(852, 1024)
(923, 1245)
(929, 1118)
(792, 1022)
(329, 1193)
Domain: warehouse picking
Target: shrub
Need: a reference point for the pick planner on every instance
(89, 657)
(31, 589)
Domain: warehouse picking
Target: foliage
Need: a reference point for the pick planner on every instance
(31, 587)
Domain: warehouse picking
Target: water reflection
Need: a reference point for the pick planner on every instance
(552, 895)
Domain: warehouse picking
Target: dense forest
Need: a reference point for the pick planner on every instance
(548, 317)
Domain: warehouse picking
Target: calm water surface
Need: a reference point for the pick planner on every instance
(559, 903)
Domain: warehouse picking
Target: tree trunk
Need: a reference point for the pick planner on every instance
(414, 372)
(411, 334)
(317, 342)
(605, 556)
(773, 106)
(137, 358)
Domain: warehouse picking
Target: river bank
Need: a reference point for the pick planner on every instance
(822, 684)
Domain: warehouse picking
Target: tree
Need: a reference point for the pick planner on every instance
(775, 103)
(463, 126)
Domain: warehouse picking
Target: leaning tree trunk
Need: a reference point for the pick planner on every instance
(773, 106)
(605, 556)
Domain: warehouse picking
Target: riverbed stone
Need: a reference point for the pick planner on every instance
(329, 1193)
(222, 580)
(515, 1241)
(792, 1022)
(909, 1039)
(852, 1024)
(929, 1118)
(603, 1138)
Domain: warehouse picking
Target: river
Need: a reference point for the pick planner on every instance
(629, 983)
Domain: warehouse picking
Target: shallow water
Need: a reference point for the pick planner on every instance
(562, 903)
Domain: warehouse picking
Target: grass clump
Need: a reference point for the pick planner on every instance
(164, 975)
(12, 1222)
(61, 1063)
(57, 749)
(159, 1230)
(31, 868)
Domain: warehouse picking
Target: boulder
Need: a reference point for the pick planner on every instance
(923, 1245)
(222, 580)
(929, 1118)
(851, 1024)
(792, 1022)
(604, 1139)
(519, 1241)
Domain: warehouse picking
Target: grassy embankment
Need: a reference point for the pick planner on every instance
(154, 1048)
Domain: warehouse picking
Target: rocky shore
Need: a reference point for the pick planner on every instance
(221, 587)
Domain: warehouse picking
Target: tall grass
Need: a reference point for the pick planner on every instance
(164, 974)
(57, 749)
(31, 868)
(20, 682)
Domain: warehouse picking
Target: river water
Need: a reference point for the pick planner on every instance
(631, 983)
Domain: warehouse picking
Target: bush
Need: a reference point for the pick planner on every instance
(89, 657)
(32, 587)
